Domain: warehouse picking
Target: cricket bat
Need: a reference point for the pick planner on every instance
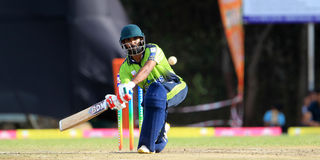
(83, 115)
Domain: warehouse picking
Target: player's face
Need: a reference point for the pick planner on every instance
(133, 46)
(134, 41)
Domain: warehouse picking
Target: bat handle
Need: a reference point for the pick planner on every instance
(127, 97)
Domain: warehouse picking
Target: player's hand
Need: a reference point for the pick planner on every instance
(114, 103)
(124, 90)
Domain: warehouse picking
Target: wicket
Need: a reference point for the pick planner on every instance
(131, 125)
(131, 119)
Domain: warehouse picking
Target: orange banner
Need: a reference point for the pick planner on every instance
(230, 11)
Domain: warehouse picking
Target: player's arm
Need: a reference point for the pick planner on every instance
(154, 58)
(144, 71)
(141, 75)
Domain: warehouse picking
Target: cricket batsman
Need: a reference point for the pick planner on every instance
(146, 66)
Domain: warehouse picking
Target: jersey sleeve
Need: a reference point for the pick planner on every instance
(267, 116)
(156, 54)
(282, 119)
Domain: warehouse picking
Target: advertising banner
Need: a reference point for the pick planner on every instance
(230, 11)
(281, 11)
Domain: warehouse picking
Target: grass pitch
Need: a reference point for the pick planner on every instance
(238, 148)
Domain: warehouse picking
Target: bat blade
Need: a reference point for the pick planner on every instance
(83, 115)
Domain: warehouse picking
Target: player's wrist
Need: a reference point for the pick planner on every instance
(131, 84)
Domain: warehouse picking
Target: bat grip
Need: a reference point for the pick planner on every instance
(126, 97)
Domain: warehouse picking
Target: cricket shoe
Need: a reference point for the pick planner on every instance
(144, 150)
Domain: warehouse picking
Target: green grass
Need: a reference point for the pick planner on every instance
(98, 143)
(265, 141)
(227, 148)
(57, 144)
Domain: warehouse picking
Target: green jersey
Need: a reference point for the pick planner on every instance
(162, 72)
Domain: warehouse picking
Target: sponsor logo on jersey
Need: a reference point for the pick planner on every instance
(133, 73)
(160, 79)
(154, 49)
(152, 53)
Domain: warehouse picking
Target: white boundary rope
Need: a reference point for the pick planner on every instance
(206, 107)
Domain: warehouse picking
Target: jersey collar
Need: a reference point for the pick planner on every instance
(132, 61)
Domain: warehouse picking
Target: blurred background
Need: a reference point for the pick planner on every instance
(56, 59)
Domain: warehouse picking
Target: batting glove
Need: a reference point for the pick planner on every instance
(114, 103)
(124, 90)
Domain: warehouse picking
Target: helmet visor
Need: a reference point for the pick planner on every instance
(133, 49)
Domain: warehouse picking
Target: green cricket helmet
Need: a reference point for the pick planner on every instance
(130, 31)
